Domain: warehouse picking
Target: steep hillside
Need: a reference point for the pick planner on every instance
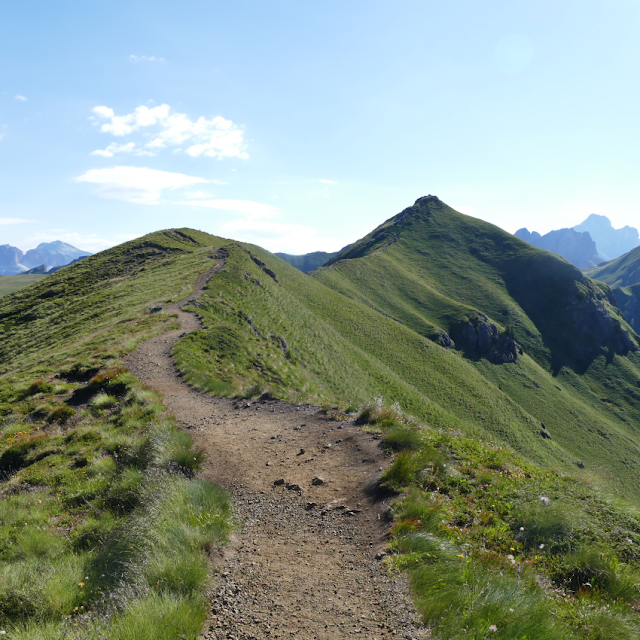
(457, 280)
(621, 272)
(576, 247)
(628, 299)
(623, 275)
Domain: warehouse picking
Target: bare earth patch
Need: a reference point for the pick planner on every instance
(306, 560)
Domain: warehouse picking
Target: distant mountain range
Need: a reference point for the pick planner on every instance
(612, 243)
(50, 254)
(308, 261)
(575, 246)
(588, 244)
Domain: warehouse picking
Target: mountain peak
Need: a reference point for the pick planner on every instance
(611, 242)
(53, 254)
(428, 200)
(594, 220)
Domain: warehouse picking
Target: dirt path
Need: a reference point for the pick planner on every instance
(305, 562)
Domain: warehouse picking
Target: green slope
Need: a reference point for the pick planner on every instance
(370, 325)
(9, 284)
(628, 299)
(623, 275)
(97, 497)
(434, 270)
(621, 272)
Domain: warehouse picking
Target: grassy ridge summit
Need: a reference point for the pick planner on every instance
(452, 278)
(443, 269)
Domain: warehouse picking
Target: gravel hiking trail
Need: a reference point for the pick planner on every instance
(306, 559)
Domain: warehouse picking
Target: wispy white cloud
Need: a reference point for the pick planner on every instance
(328, 181)
(135, 58)
(162, 128)
(114, 148)
(249, 208)
(14, 220)
(136, 184)
(21, 98)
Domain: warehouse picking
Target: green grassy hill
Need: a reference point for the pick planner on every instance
(103, 530)
(437, 271)
(544, 364)
(621, 272)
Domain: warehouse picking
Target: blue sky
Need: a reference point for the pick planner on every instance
(301, 126)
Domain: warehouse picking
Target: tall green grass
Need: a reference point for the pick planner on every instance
(103, 531)
(496, 547)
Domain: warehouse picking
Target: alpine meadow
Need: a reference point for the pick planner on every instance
(451, 408)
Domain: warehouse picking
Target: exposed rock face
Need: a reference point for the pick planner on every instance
(481, 337)
(595, 323)
(10, 260)
(444, 340)
(611, 243)
(574, 246)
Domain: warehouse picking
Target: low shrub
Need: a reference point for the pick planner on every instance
(103, 401)
(375, 413)
(544, 527)
(61, 414)
(588, 571)
(402, 438)
(173, 450)
(38, 386)
(426, 469)
(416, 511)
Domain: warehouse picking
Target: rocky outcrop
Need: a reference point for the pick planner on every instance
(480, 337)
(576, 247)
